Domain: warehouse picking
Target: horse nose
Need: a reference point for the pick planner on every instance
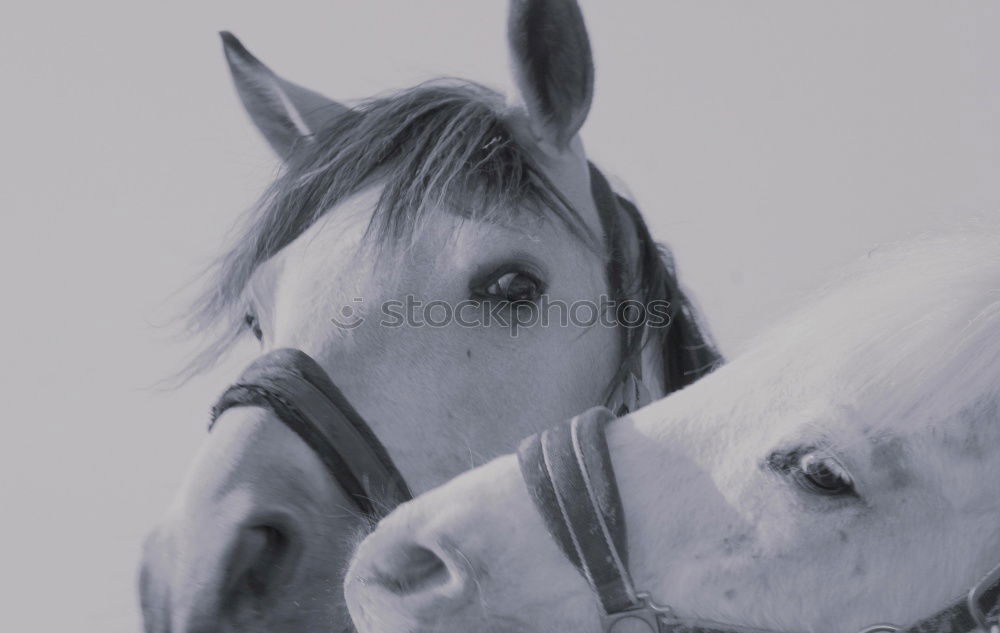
(432, 564)
(399, 580)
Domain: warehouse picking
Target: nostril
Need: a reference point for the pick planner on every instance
(265, 548)
(263, 556)
(397, 578)
(411, 569)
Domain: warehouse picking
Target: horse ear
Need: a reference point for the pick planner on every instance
(552, 66)
(285, 113)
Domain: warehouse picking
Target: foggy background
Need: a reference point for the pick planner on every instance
(766, 142)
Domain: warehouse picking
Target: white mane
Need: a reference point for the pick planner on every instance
(885, 314)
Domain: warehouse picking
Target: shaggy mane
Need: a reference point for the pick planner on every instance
(442, 146)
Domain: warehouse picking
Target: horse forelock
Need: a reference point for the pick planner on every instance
(444, 146)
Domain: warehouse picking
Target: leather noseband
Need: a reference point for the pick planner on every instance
(302, 396)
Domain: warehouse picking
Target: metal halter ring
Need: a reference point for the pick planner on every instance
(975, 601)
(882, 627)
(646, 611)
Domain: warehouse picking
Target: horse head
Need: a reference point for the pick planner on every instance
(449, 259)
(840, 473)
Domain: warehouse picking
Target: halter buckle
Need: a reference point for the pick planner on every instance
(645, 611)
(984, 598)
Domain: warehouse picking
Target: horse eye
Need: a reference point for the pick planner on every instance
(814, 471)
(515, 287)
(251, 323)
(823, 475)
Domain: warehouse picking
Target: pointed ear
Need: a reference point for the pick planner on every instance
(552, 66)
(284, 112)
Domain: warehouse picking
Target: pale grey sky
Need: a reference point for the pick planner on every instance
(767, 142)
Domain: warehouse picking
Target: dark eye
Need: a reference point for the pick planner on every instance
(815, 471)
(824, 475)
(515, 287)
(251, 323)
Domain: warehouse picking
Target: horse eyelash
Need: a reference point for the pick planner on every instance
(784, 461)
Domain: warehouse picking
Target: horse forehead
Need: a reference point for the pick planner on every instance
(338, 253)
(325, 265)
(334, 241)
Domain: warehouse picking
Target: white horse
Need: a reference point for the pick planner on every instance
(446, 196)
(844, 471)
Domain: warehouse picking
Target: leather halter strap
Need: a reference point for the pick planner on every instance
(568, 472)
(293, 386)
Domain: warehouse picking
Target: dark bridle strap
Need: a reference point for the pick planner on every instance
(980, 610)
(302, 396)
(568, 473)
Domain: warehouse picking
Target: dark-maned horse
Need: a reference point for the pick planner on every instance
(444, 200)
